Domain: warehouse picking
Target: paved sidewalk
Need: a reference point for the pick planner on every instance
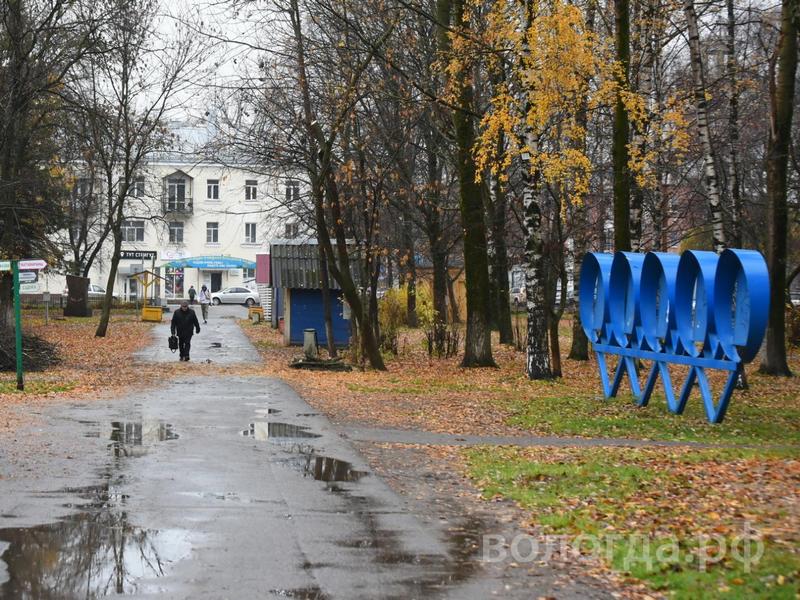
(225, 487)
(220, 341)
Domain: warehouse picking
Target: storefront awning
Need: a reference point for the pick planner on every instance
(212, 262)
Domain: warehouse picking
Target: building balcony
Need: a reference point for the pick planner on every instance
(177, 206)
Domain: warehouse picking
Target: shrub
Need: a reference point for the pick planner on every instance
(392, 315)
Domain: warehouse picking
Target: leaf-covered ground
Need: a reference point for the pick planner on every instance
(701, 523)
(437, 395)
(658, 495)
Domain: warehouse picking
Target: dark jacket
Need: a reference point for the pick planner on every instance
(184, 322)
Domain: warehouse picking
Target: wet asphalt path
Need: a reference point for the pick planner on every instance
(214, 487)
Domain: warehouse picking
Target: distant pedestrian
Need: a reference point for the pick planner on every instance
(192, 294)
(184, 323)
(205, 300)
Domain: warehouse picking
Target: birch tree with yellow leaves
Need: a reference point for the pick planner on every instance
(555, 64)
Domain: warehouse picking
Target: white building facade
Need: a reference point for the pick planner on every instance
(196, 223)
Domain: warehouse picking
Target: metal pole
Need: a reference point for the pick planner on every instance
(18, 324)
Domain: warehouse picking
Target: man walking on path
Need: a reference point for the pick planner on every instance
(192, 294)
(205, 300)
(184, 323)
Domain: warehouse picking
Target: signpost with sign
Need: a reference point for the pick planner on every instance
(32, 264)
(23, 271)
(18, 324)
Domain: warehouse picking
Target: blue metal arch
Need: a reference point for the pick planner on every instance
(701, 310)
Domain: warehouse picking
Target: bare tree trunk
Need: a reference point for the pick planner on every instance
(477, 343)
(622, 180)
(451, 294)
(105, 309)
(644, 80)
(6, 302)
(411, 275)
(440, 282)
(782, 103)
(734, 186)
(327, 311)
(500, 259)
(701, 108)
(323, 184)
(579, 349)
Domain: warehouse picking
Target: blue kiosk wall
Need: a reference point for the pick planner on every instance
(305, 312)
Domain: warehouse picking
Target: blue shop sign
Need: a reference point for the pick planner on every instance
(212, 262)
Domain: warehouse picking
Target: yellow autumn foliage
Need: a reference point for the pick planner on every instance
(555, 71)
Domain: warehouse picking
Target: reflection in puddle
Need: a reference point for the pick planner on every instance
(132, 438)
(277, 431)
(94, 553)
(325, 468)
(264, 412)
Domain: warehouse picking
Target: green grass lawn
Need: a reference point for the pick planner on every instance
(9, 386)
(648, 513)
(566, 408)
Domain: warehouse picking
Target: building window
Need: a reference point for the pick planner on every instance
(212, 232)
(292, 191)
(608, 236)
(249, 233)
(138, 186)
(291, 230)
(212, 187)
(250, 187)
(176, 193)
(83, 188)
(249, 274)
(133, 231)
(174, 283)
(175, 232)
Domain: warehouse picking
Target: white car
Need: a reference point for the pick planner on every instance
(235, 295)
(95, 292)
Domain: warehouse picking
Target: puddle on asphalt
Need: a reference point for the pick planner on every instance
(325, 468)
(133, 438)
(310, 593)
(277, 432)
(94, 553)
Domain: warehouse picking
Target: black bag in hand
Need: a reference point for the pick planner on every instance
(173, 343)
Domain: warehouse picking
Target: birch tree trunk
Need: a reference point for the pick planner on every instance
(782, 104)
(710, 179)
(537, 350)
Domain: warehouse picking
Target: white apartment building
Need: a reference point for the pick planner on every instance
(196, 223)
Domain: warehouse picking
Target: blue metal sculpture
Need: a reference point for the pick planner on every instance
(702, 310)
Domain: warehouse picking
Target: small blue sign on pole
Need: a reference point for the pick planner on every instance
(701, 310)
